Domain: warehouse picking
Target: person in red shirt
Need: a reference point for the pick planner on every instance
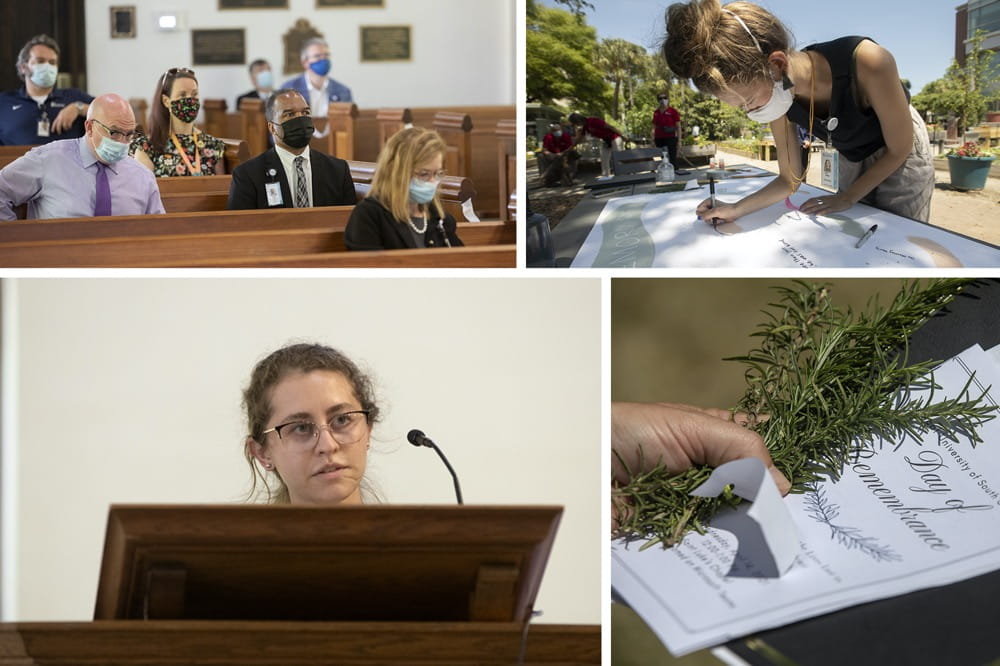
(597, 128)
(666, 127)
(557, 159)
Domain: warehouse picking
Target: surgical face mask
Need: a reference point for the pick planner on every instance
(557, 133)
(265, 79)
(110, 151)
(297, 132)
(321, 67)
(664, 102)
(781, 100)
(185, 108)
(44, 75)
(422, 191)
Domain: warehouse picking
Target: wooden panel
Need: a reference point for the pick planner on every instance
(215, 116)
(486, 256)
(168, 250)
(332, 217)
(203, 643)
(416, 563)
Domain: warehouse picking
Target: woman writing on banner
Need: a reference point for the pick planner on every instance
(846, 92)
(174, 146)
(310, 412)
(402, 209)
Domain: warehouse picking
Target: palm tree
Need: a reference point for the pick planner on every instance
(620, 61)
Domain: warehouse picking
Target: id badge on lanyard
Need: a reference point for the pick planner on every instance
(829, 160)
(273, 190)
(43, 122)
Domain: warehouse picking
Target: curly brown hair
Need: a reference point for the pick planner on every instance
(707, 43)
(269, 371)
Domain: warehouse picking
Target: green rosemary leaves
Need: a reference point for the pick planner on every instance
(827, 381)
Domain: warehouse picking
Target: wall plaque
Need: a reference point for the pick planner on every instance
(320, 4)
(253, 4)
(123, 22)
(296, 36)
(385, 43)
(219, 47)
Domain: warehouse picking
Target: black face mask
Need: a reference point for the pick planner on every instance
(297, 131)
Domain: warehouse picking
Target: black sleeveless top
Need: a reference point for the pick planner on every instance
(858, 133)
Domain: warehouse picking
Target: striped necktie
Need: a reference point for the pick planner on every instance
(301, 193)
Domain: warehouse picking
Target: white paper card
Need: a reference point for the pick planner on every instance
(764, 528)
(908, 516)
(662, 231)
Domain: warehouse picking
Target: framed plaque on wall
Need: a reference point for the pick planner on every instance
(123, 22)
(385, 43)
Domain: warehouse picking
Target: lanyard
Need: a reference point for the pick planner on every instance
(193, 170)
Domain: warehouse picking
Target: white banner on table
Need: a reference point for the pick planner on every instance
(662, 231)
(910, 516)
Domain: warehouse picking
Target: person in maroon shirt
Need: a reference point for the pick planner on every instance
(597, 128)
(667, 127)
(558, 160)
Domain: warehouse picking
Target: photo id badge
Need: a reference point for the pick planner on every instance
(43, 126)
(273, 191)
(830, 174)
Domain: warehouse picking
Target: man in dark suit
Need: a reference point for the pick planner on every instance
(262, 79)
(290, 174)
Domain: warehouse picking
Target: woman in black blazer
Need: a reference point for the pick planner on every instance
(402, 209)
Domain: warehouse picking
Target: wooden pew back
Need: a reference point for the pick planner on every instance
(194, 238)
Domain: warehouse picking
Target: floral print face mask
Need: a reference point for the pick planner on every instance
(185, 108)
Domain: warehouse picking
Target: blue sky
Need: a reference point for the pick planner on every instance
(923, 48)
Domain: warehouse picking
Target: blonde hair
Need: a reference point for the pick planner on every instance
(403, 152)
(716, 47)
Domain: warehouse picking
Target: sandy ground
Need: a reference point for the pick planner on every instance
(975, 214)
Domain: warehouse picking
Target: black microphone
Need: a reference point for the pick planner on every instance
(417, 438)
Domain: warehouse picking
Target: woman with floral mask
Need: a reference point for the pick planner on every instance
(174, 146)
(402, 209)
(846, 92)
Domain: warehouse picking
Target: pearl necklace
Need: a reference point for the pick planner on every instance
(409, 221)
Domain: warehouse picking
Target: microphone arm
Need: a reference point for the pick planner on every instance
(417, 438)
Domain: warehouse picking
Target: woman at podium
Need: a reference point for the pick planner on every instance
(310, 412)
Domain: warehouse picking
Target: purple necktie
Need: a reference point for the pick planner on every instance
(102, 203)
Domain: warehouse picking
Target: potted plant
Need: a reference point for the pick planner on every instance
(969, 166)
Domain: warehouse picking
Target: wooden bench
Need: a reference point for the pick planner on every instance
(247, 123)
(481, 256)
(195, 238)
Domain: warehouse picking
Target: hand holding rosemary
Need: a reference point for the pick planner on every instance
(822, 382)
(679, 437)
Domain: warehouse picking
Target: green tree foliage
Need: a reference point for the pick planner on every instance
(559, 61)
(624, 65)
(577, 7)
(963, 91)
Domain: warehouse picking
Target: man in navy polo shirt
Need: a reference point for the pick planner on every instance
(39, 112)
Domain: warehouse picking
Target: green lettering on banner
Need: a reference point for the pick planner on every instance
(625, 242)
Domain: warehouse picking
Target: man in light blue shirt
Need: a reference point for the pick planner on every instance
(85, 177)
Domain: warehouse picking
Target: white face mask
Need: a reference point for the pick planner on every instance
(781, 100)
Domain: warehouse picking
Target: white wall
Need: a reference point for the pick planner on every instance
(463, 50)
(129, 391)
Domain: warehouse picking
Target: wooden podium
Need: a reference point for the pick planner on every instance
(298, 585)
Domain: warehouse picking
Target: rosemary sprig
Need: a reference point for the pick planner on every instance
(828, 380)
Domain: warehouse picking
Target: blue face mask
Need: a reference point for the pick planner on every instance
(44, 75)
(423, 191)
(110, 151)
(265, 79)
(321, 67)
